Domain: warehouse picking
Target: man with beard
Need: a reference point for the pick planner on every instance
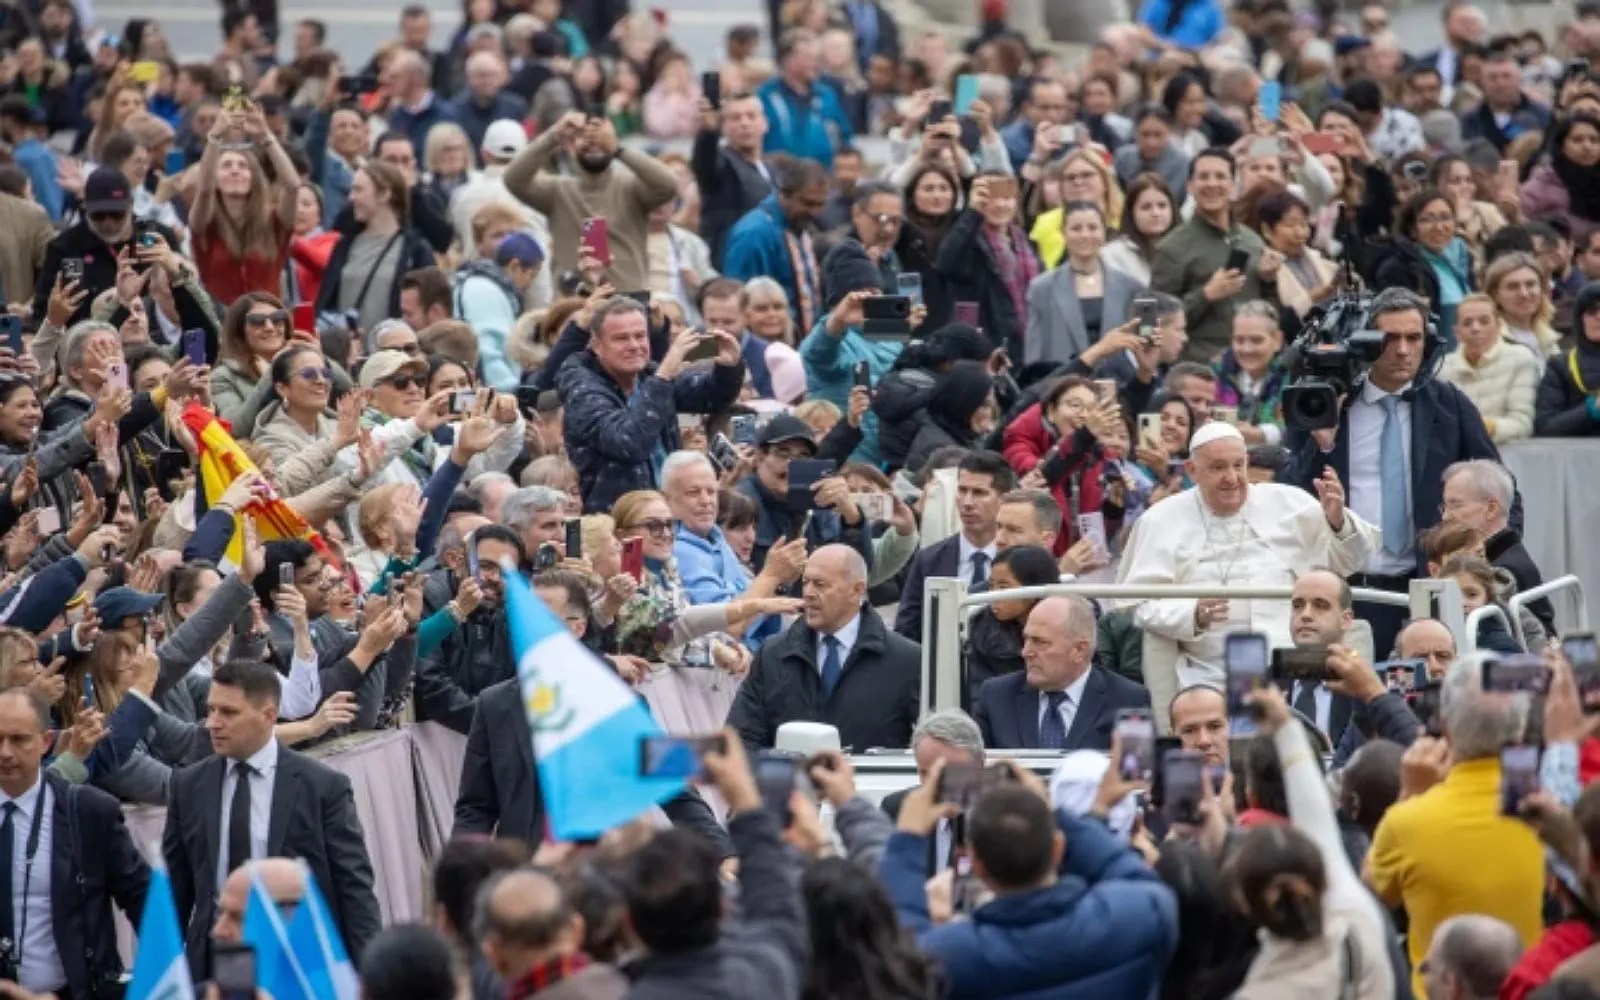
(478, 653)
(621, 186)
(774, 238)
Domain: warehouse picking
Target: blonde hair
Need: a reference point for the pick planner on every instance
(452, 339)
(628, 506)
(17, 648)
(438, 135)
(1501, 268)
(493, 213)
(813, 408)
(767, 288)
(596, 528)
(1111, 207)
(375, 508)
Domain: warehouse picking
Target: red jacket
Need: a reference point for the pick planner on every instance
(1027, 442)
(1559, 943)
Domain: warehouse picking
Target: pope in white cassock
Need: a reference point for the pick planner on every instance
(1226, 531)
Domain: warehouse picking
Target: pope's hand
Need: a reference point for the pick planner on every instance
(1208, 611)
(1331, 492)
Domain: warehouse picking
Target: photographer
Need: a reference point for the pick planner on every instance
(1391, 444)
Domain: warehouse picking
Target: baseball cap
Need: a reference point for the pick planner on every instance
(106, 191)
(520, 247)
(387, 364)
(785, 427)
(117, 604)
(504, 139)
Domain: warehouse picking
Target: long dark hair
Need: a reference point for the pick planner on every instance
(1215, 943)
(1278, 873)
(858, 948)
(1147, 181)
(1582, 190)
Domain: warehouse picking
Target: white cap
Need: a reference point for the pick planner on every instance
(806, 738)
(504, 139)
(1215, 430)
(1075, 783)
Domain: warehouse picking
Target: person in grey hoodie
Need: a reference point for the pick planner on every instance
(1152, 151)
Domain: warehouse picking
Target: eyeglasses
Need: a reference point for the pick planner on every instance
(413, 348)
(654, 526)
(1435, 220)
(278, 317)
(323, 374)
(403, 382)
(107, 216)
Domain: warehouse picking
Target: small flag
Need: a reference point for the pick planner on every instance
(222, 461)
(586, 724)
(160, 967)
(315, 941)
(278, 969)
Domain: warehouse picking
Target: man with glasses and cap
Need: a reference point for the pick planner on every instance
(823, 516)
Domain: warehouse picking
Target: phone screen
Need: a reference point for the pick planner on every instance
(1519, 776)
(286, 575)
(1402, 676)
(775, 780)
(117, 376)
(676, 756)
(574, 539)
(966, 312)
(1183, 770)
(1300, 663)
(633, 558)
(48, 522)
(233, 967)
(805, 473)
(863, 375)
(966, 93)
(711, 88)
(1246, 656)
(1523, 672)
(909, 284)
(1580, 651)
(959, 783)
(1270, 97)
(1138, 739)
(12, 325)
(742, 429)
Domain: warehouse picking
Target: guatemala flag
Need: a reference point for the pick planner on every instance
(279, 972)
(160, 968)
(315, 941)
(586, 724)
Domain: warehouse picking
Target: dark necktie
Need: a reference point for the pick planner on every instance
(1052, 730)
(980, 571)
(1305, 701)
(239, 817)
(8, 930)
(831, 667)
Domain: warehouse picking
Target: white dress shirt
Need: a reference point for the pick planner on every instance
(302, 689)
(1366, 476)
(964, 558)
(1069, 704)
(1323, 699)
(40, 969)
(265, 765)
(847, 641)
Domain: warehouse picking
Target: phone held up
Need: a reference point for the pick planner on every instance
(1245, 654)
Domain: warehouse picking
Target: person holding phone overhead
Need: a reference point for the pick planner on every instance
(988, 259)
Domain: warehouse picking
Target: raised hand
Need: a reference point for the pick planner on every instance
(369, 455)
(254, 559)
(338, 710)
(347, 429)
(26, 484)
(65, 298)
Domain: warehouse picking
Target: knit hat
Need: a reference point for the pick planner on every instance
(846, 269)
(1587, 298)
(788, 373)
(958, 342)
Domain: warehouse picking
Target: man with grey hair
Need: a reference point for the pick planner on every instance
(491, 489)
(839, 665)
(485, 100)
(1395, 438)
(1028, 517)
(414, 107)
(1418, 847)
(952, 736)
(538, 514)
(1060, 701)
(1470, 957)
(1480, 494)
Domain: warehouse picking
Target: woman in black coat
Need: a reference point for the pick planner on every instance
(994, 637)
(988, 259)
(960, 412)
(1565, 404)
(932, 199)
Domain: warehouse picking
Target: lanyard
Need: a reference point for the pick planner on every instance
(1577, 376)
(13, 949)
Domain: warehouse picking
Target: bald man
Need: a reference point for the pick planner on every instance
(1387, 714)
(527, 923)
(284, 880)
(839, 664)
(1061, 700)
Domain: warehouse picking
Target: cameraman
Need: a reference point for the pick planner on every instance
(1394, 440)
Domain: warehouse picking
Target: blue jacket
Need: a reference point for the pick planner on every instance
(1200, 22)
(333, 174)
(476, 119)
(614, 440)
(417, 124)
(712, 574)
(486, 300)
(756, 247)
(808, 128)
(830, 374)
(38, 161)
(1105, 929)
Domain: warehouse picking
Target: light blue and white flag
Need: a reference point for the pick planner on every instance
(160, 967)
(586, 723)
(315, 942)
(279, 971)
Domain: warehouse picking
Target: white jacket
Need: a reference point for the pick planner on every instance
(1502, 385)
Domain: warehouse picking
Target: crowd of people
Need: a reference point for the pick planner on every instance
(302, 360)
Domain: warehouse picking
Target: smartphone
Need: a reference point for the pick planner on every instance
(596, 236)
(1580, 650)
(804, 473)
(966, 313)
(1175, 468)
(966, 93)
(1182, 793)
(1270, 97)
(1519, 775)
(633, 558)
(574, 538)
(959, 784)
(862, 375)
(704, 349)
(1144, 310)
(304, 317)
(1055, 466)
(723, 452)
(939, 110)
(549, 558)
(966, 889)
(144, 71)
(286, 575)
(1522, 672)
(1238, 259)
(775, 774)
(462, 401)
(909, 284)
(233, 969)
(174, 163)
(88, 691)
(677, 756)
(1300, 663)
(97, 478)
(48, 522)
(117, 376)
(71, 269)
(11, 327)
(1402, 676)
(1150, 429)
(1137, 734)
(194, 347)
(1423, 700)
(472, 556)
(742, 428)
(1002, 187)
(1225, 414)
(1245, 654)
(1320, 143)
(711, 88)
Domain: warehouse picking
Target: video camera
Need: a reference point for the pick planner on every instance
(1329, 360)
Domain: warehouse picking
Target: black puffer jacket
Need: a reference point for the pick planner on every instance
(475, 656)
(901, 402)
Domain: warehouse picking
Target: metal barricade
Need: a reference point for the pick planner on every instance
(1469, 642)
(1526, 597)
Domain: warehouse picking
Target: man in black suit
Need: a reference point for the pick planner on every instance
(840, 666)
(65, 857)
(255, 799)
(1396, 436)
(982, 479)
(1479, 494)
(1320, 612)
(1061, 701)
(952, 736)
(728, 166)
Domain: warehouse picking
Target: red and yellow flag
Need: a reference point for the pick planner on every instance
(221, 461)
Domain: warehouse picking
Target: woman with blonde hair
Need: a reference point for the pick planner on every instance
(1084, 177)
(241, 223)
(447, 158)
(766, 311)
(1521, 295)
(1500, 375)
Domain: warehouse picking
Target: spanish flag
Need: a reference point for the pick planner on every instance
(221, 462)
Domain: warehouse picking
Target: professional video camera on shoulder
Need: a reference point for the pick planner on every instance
(1329, 360)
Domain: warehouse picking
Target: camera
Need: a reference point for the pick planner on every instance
(886, 316)
(1327, 361)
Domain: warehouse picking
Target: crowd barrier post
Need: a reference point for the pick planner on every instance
(942, 625)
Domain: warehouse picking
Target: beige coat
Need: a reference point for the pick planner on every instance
(27, 232)
(1502, 385)
(1290, 291)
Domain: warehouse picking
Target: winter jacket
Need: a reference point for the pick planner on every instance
(994, 648)
(807, 127)
(300, 460)
(830, 373)
(486, 300)
(29, 233)
(234, 393)
(966, 261)
(1265, 405)
(1528, 116)
(1544, 195)
(618, 442)
(1563, 407)
(756, 247)
(774, 520)
(99, 265)
(476, 656)
(1079, 489)
(1502, 385)
(730, 186)
(1120, 918)
(475, 117)
(418, 123)
(900, 403)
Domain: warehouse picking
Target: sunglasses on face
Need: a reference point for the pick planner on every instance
(278, 318)
(403, 382)
(654, 527)
(107, 216)
(323, 374)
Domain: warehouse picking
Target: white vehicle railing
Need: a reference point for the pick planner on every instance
(946, 605)
(1556, 586)
(1476, 618)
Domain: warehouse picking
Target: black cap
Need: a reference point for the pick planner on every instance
(785, 427)
(118, 604)
(106, 191)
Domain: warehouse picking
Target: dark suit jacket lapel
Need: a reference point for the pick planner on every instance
(1088, 711)
(210, 820)
(1423, 413)
(1025, 701)
(948, 561)
(285, 792)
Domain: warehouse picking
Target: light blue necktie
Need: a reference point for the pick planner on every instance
(1392, 477)
(831, 667)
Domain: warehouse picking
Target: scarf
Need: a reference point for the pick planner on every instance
(1582, 184)
(1017, 269)
(803, 260)
(417, 458)
(547, 974)
(644, 625)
